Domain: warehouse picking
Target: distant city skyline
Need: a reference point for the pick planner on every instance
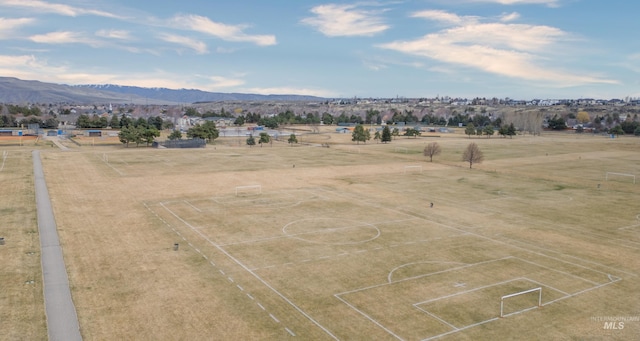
(521, 49)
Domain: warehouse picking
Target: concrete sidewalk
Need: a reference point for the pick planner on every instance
(62, 321)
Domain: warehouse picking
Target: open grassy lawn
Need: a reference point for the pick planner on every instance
(22, 314)
(338, 242)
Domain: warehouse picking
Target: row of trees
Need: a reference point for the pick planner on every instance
(471, 154)
(94, 121)
(504, 131)
(263, 139)
(23, 110)
(10, 121)
(137, 135)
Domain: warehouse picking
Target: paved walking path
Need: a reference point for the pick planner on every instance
(56, 141)
(62, 321)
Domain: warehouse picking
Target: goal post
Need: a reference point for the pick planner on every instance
(248, 190)
(503, 298)
(412, 169)
(401, 150)
(614, 174)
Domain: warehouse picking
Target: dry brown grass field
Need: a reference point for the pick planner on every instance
(336, 243)
(21, 299)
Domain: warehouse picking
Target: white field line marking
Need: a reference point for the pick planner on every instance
(619, 228)
(582, 291)
(368, 317)
(533, 252)
(414, 263)
(222, 272)
(600, 236)
(520, 311)
(290, 332)
(195, 208)
(497, 242)
(112, 167)
(530, 250)
(4, 158)
(562, 272)
(424, 275)
(569, 256)
(378, 248)
(260, 279)
(437, 318)
(249, 241)
(608, 239)
(547, 286)
(458, 329)
(468, 291)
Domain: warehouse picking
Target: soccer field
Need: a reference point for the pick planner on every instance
(317, 243)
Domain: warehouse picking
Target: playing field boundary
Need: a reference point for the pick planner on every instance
(549, 289)
(243, 266)
(576, 277)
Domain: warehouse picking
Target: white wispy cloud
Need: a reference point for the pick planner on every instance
(115, 34)
(50, 7)
(223, 31)
(31, 67)
(218, 83)
(550, 3)
(8, 26)
(508, 17)
(198, 46)
(444, 17)
(335, 20)
(512, 50)
(289, 90)
(65, 37)
(28, 67)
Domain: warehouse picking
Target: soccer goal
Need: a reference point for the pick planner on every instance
(402, 150)
(412, 169)
(242, 191)
(615, 175)
(521, 306)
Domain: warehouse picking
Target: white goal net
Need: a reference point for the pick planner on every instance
(525, 302)
(412, 169)
(612, 175)
(250, 190)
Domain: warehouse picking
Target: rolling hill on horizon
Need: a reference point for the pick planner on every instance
(18, 91)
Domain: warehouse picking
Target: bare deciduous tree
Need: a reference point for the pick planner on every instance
(472, 154)
(431, 150)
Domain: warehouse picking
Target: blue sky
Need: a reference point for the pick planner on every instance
(521, 49)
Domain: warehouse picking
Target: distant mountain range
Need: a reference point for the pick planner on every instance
(17, 91)
(194, 95)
